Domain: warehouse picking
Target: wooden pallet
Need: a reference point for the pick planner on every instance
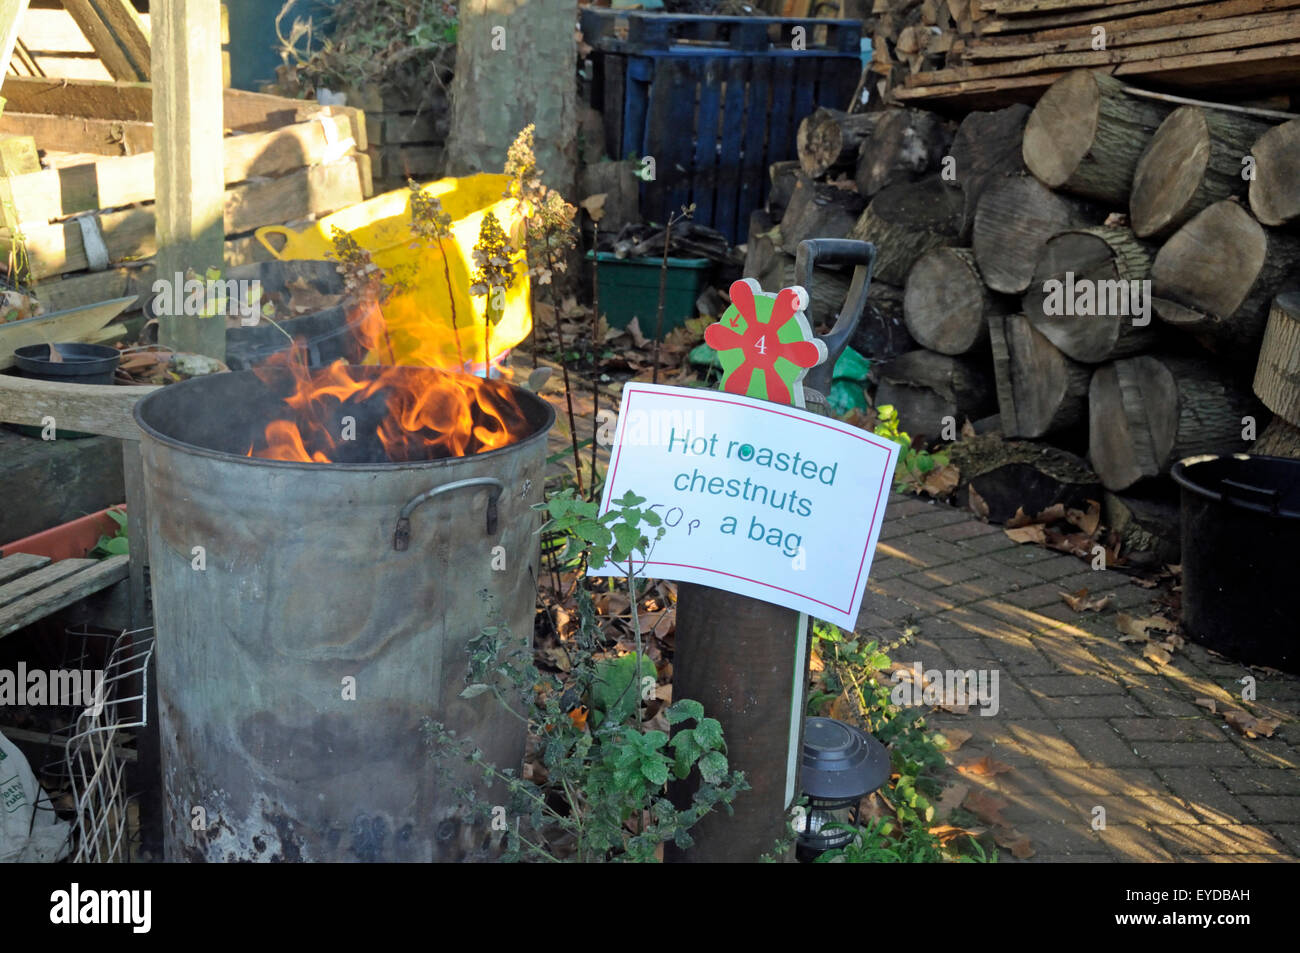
(285, 161)
(33, 587)
(986, 53)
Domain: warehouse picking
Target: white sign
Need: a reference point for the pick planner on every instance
(756, 498)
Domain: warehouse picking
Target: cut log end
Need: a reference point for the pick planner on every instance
(946, 304)
(1275, 190)
(1039, 389)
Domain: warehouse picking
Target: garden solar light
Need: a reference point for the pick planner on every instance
(841, 765)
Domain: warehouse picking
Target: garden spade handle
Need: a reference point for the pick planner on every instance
(835, 251)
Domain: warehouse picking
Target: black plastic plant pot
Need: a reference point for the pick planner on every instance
(1240, 535)
(81, 364)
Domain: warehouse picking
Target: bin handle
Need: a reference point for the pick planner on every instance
(263, 233)
(1271, 497)
(402, 534)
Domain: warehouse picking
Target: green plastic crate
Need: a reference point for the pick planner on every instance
(629, 288)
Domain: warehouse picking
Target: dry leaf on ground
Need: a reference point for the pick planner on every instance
(1079, 601)
(1157, 654)
(1033, 533)
(1250, 726)
(941, 481)
(956, 738)
(947, 833)
(1019, 519)
(1052, 514)
(1209, 704)
(951, 799)
(987, 807)
(1019, 844)
(976, 503)
(1087, 522)
(984, 767)
(1139, 628)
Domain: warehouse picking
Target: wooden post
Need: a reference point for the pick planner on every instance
(188, 174)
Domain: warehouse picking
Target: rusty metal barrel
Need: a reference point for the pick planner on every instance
(309, 616)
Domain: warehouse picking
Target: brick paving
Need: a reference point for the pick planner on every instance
(1085, 721)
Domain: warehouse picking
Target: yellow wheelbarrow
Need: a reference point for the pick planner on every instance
(428, 324)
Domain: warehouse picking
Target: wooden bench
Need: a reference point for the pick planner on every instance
(32, 587)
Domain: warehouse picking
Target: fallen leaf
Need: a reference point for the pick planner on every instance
(1156, 654)
(947, 833)
(967, 429)
(1087, 522)
(976, 503)
(1076, 544)
(1031, 533)
(1209, 704)
(1053, 513)
(1019, 844)
(304, 298)
(1139, 628)
(950, 800)
(558, 657)
(984, 767)
(1079, 601)
(659, 723)
(1250, 726)
(1019, 519)
(941, 481)
(956, 738)
(987, 807)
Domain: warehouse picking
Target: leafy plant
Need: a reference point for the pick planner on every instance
(852, 668)
(115, 545)
(914, 465)
(604, 795)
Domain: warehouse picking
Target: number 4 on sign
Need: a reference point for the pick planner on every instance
(765, 343)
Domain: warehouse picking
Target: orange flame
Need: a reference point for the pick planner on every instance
(427, 414)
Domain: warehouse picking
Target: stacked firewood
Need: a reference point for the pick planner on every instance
(960, 51)
(1104, 272)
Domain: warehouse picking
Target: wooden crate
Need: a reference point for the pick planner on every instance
(404, 143)
(286, 161)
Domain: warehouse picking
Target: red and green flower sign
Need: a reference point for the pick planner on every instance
(765, 343)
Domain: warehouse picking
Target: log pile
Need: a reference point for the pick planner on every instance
(1115, 277)
(982, 53)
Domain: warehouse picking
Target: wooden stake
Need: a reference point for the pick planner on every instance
(188, 174)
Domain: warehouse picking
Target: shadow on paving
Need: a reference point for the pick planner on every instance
(1084, 723)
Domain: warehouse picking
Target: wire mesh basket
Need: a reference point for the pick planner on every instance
(91, 768)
